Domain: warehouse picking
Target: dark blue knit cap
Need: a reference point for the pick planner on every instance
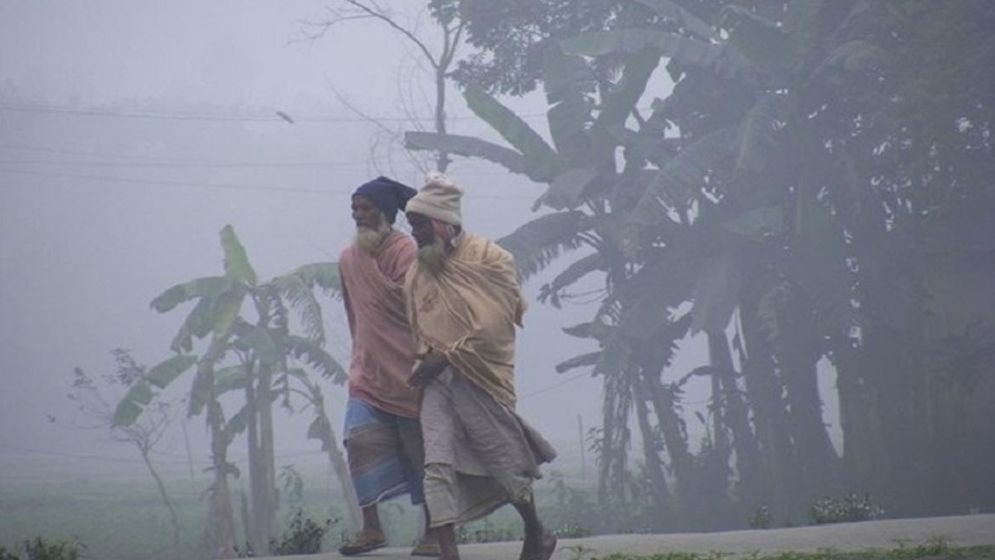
(386, 194)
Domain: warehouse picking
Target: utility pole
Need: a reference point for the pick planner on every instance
(580, 440)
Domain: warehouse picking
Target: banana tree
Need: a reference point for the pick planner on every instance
(716, 182)
(144, 421)
(783, 139)
(253, 356)
(592, 198)
(794, 172)
(669, 224)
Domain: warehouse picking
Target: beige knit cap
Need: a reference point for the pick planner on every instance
(438, 199)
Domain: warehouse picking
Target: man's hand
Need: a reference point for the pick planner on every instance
(430, 367)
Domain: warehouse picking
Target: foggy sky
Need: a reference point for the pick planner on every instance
(84, 247)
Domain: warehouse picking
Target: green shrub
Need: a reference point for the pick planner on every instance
(849, 508)
(486, 531)
(761, 518)
(304, 536)
(39, 549)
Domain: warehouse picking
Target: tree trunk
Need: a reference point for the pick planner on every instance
(321, 429)
(259, 545)
(654, 466)
(720, 438)
(266, 514)
(173, 521)
(862, 437)
(815, 451)
(613, 457)
(769, 413)
(744, 442)
(221, 518)
(675, 440)
(442, 161)
(798, 348)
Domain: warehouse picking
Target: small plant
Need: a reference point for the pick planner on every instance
(485, 532)
(571, 531)
(579, 552)
(304, 536)
(39, 549)
(849, 508)
(664, 556)
(761, 518)
(293, 484)
(933, 547)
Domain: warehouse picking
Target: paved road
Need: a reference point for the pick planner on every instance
(967, 530)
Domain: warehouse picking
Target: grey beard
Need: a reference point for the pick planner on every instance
(369, 239)
(433, 257)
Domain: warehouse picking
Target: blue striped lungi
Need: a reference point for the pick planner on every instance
(386, 457)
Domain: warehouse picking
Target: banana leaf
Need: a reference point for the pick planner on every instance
(541, 160)
(692, 23)
(469, 146)
(680, 181)
(687, 51)
(716, 295)
(236, 261)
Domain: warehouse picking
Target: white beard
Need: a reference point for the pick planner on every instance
(369, 239)
(433, 257)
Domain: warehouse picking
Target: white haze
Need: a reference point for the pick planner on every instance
(85, 247)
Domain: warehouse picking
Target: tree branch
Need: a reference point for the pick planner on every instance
(379, 13)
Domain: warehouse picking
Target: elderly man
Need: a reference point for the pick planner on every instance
(463, 305)
(382, 433)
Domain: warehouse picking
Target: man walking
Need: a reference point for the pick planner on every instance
(382, 433)
(463, 305)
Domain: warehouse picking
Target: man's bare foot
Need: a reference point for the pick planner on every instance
(540, 548)
(446, 535)
(448, 553)
(364, 542)
(428, 545)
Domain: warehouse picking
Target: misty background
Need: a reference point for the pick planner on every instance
(131, 133)
(103, 209)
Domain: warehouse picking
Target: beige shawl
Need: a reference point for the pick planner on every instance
(468, 312)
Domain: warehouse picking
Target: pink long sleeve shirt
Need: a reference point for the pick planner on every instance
(383, 348)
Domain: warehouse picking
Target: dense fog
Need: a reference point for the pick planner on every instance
(756, 243)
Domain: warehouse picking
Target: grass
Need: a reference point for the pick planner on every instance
(933, 549)
(123, 519)
(113, 519)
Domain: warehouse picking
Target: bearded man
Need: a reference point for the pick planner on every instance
(382, 433)
(464, 303)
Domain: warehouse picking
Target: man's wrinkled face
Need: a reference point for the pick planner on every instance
(421, 229)
(431, 246)
(365, 213)
(371, 225)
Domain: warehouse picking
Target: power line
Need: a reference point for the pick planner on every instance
(228, 186)
(48, 150)
(572, 378)
(187, 164)
(162, 161)
(68, 455)
(222, 117)
(218, 117)
(139, 157)
(171, 456)
(189, 184)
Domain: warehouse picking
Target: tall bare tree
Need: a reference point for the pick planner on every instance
(143, 434)
(438, 53)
